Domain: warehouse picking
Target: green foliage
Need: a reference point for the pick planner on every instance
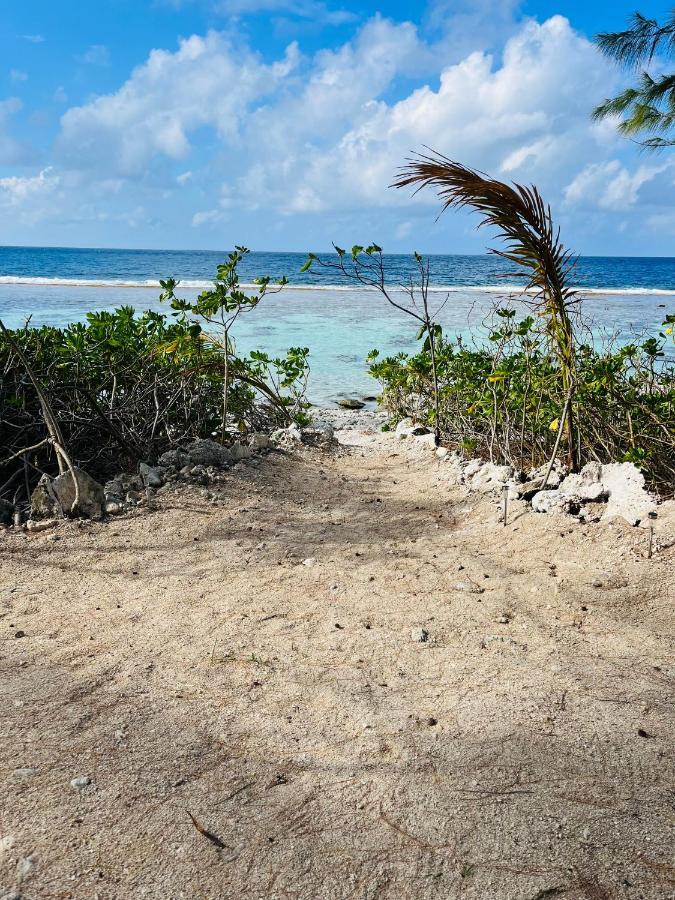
(649, 106)
(502, 400)
(127, 387)
(219, 308)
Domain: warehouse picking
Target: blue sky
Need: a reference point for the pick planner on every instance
(280, 123)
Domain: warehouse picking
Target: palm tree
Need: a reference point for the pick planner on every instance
(649, 106)
(525, 224)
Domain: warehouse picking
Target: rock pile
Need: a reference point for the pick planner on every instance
(598, 493)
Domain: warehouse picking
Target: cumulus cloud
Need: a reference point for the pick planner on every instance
(26, 196)
(610, 185)
(520, 117)
(218, 125)
(208, 81)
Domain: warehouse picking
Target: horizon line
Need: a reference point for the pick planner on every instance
(297, 252)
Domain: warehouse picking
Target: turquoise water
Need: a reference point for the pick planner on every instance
(339, 325)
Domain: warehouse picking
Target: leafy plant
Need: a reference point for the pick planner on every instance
(220, 307)
(120, 397)
(500, 398)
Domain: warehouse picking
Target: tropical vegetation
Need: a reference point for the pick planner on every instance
(648, 106)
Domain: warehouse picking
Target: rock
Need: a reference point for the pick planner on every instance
(310, 562)
(116, 488)
(134, 497)
(426, 440)
(628, 498)
(490, 477)
(286, 438)
(113, 508)
(239, 451)
(558, 472)
(552, 501)
(23, 772)
(419, 634)
(350, 403)
(503, 620)
(469, 587)
(54, 497)
(153, 476)
(41, 525)
(174, 458)
(205, 452)
(472, 467)
(586, 485)
(81, 782)
(527, 489)
(442, 452)
(258, 441)
(405, 426)
(319, 435)
(6, 512)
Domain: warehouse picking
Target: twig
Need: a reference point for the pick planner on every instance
(208, 834)
(558, 436)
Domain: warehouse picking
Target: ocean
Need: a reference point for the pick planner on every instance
(340, 324)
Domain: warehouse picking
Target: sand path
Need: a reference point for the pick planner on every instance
(186, 660)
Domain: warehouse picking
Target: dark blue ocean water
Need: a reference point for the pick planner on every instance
(141, 266)
(338, 322)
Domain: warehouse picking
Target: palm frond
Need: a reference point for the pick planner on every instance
(638, 44)
(525, 224)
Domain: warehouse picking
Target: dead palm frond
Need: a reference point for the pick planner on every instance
(525, 224)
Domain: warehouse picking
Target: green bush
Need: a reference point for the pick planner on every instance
(126, 387)
(502, 401)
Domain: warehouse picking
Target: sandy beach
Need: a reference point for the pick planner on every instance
(333, 676)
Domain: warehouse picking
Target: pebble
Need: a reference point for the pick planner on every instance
(420, 634)
(309, 562)
(82, 781)
(469, 587)
(24, 867)
(503, 620)
(24, 772)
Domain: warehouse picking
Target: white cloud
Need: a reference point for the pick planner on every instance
(610, 185)
(208, 81)
(34, 38)
(521, 117)
(17, 191)
(18, 75)
(213, 125)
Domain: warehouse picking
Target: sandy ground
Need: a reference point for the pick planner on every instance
(186, 661)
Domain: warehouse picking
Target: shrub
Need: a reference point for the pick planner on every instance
(119, 395)
(502, 400)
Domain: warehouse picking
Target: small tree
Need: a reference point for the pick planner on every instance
(366, 266)
(220, 307)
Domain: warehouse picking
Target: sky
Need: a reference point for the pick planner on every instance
(280, 124)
